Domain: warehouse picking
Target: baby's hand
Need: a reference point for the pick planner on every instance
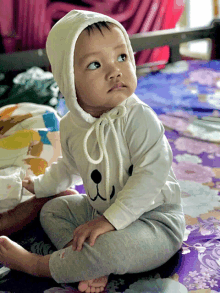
(28, 183)
(90, 230)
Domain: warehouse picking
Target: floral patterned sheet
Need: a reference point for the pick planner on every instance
(186, 97)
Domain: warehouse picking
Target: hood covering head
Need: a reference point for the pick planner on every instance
(60, 47)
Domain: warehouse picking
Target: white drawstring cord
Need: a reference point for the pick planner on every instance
(118, 153)
(98, 126)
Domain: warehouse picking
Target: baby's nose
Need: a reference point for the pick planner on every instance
(114, 72)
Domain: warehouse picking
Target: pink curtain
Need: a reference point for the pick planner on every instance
(34, 19)
(167, 15)
(7, 25)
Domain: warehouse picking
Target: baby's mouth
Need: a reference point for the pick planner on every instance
(117, 86)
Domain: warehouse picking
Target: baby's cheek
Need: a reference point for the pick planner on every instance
(132, 78)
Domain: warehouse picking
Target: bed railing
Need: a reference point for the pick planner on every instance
(173, 38)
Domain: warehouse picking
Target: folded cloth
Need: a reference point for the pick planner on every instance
(11, 187)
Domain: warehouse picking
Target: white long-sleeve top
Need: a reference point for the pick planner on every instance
(145, 178)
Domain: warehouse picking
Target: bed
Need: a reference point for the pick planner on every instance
(185, 94)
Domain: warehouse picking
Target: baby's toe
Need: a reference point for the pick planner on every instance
(83, 286)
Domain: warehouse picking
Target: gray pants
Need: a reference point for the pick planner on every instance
(144, 245)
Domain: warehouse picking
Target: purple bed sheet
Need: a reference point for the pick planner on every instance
(186, 97)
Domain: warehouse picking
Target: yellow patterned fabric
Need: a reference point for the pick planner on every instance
(29, 140)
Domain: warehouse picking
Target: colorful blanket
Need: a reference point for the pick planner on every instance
(29, 139)
(186, 98)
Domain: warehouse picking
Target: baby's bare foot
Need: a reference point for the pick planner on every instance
(13, 256)
(95, 285)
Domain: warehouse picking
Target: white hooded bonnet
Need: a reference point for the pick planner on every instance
(60, 50)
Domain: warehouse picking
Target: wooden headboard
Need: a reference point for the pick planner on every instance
(173, 38)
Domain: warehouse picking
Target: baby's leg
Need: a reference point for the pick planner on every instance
(142, 246)
(59, 218)
(93, 285)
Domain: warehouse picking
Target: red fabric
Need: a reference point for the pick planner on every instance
(36, 17)
(7, 25)
(173, 13)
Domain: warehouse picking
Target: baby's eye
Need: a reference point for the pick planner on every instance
(122, 57)
(94, 65)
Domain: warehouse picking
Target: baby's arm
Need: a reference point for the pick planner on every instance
(61, 174)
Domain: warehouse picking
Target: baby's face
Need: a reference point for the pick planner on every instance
(104, 74)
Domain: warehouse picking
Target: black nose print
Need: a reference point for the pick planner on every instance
(96, 176)
(130, 170)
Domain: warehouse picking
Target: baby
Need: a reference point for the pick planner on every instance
(130, 220)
